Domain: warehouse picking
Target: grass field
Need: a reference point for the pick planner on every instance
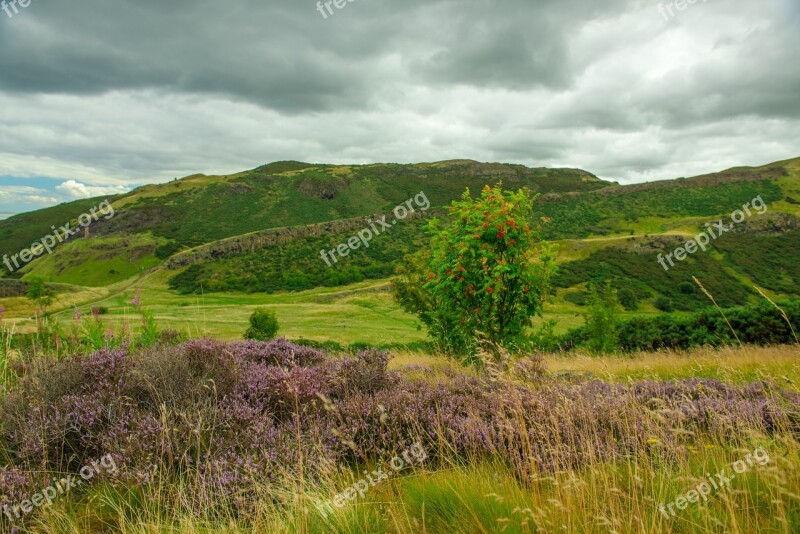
(359, 312)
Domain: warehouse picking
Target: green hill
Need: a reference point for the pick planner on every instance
(261, 231)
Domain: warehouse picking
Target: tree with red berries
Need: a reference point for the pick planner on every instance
(483, 277)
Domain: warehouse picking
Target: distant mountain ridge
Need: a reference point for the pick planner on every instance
(200, 209)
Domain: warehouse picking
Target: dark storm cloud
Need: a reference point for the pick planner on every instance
(285, 55)
(272, 54)
(116, 93)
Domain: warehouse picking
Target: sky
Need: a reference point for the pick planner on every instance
(98, 97)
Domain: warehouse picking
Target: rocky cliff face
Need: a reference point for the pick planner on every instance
(12, 288)
(271, 237)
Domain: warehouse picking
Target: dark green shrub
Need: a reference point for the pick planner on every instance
(602, 319)
(761, 324)
(687, 288)
(577, 297)
(628, 300)
(166, 250)
(664, 304)
(263, 325)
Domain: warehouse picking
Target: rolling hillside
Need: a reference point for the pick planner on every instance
(261, 231)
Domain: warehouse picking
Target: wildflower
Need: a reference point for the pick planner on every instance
(96, 312)
(76, 315)
(136, 300)
(652, 441)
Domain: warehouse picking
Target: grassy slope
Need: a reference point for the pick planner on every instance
(98, 261)
(320, 313)
(20, 231)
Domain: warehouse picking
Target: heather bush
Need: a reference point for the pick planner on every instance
(364, 373)
(531, 368)
(220, 419)
(277, 352)
(181, 376)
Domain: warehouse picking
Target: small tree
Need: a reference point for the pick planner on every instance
(602, 319)
(263, 325)
(482, 277)
(39, 293)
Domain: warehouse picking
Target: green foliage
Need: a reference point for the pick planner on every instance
(641, 274)
(486, 274)
(190, 280)
(297, 265)
(687, 288)
(602, 319)
(544, 339)
(628, 299)
(263, 325)
(771, 261)
(664, 304)
(579, 298)
(39, 293)
(149, 334)
(167, 249)
(759, 324)
(580, 216)
(7, 375)
(97, 261)
(92, 332)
